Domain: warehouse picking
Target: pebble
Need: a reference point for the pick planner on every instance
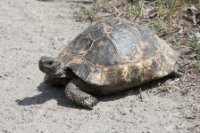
(197, 35)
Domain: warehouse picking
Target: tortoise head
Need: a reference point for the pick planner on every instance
(51, 66)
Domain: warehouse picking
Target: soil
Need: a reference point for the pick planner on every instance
(30, 29)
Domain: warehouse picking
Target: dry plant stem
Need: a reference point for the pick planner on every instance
(141, 96)
(165, 33)
(194, 20)
(119, 14)
(81, 1)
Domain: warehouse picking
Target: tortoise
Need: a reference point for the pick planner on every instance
(109, 56)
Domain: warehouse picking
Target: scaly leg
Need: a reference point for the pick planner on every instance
(74, 91)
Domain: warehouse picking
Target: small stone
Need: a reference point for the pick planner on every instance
(197, 35)
(123, 113)
(18, 101)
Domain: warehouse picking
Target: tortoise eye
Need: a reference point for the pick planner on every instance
(50, 63)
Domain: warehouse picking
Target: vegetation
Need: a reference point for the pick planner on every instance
(174, 20)
(132, 9)
(194, 44)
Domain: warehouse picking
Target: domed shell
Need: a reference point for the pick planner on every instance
(115, 52)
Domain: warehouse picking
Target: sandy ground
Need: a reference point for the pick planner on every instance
(30, 29)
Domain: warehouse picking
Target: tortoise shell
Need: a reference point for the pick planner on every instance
(115, 52)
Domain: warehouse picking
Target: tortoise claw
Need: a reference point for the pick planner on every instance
(88, 102)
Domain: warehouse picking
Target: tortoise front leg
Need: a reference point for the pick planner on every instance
(74, 92)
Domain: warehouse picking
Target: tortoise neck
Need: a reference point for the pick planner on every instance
(69, 73)
(60, 73)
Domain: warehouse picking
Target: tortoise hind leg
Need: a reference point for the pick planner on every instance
(74, 91)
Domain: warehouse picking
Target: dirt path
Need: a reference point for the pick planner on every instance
(29, 29)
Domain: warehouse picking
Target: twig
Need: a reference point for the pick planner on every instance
(164, 33)
(118, 13)
(69, 126)
(81, 1)
(194, 20)
(141, 97)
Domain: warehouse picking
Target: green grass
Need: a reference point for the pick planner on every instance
(194, 44)
(191, 1)
(138, 8)
(85, 13)
(129, 10)
(165, 9)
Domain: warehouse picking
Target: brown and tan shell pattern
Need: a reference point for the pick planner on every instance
(114, 52)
